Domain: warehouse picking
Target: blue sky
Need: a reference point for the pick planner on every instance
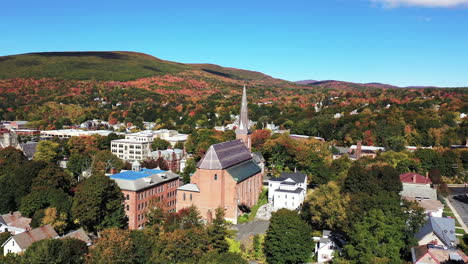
(400, 42)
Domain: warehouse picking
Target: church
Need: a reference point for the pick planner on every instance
(227, 176)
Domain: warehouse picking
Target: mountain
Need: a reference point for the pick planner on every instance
(343, 84)
(107, 66)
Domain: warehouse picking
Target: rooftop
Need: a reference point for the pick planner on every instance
(412, 177)
(140, 180)
(134, 175)
(224, 155)
(25, 239)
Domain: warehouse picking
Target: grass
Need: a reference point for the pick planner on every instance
(262, 200)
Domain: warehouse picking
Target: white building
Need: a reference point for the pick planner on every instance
(21, 242)
(68, 133)
(14, 223)
(131, 150)
(326, 246)
(288, 191)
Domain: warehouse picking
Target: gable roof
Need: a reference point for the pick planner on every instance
(190, 187)
(224, 155)
(29, 148)
(79, 234)
(442, 227)
(435, 254)
(25, 239)
(15, 220)
(412, 177)
(297, 177)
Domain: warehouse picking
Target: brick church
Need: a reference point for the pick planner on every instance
(227, 176)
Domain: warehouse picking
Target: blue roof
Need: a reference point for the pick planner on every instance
(134, 175)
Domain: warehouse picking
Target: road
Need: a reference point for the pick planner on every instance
(462, 208)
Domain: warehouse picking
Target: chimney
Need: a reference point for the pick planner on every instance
(427, 175)
(113, 170)
(358, 149)
(414, 178)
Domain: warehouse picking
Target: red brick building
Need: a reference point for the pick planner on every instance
(142, 187)
(226, 176)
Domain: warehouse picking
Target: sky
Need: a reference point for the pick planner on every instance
(399, 42)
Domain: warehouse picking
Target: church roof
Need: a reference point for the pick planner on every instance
(224, 155)
(244, 170)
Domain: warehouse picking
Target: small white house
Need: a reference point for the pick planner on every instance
(326, 245)
(14, 223)
(19, 243)
(288, 191)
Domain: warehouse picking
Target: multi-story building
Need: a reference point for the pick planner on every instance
(143, 188)
(172, 158)
(287, 191)
(131, 150)
(226, 177)
(68, 133)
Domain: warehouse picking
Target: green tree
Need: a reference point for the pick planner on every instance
(159, 143)
(214, 257)
(326, 207)
(217, 232)
(288, 238)
(77, 163)
(98, 203)
(189, 169)
(56, 251)
(47, 151)
(377, 238)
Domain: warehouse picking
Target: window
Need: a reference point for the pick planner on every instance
(128, 207)
(190, 197)
(216, 177)
(184, 197)
(128, 197)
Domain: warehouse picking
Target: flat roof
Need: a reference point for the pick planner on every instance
(134, 175)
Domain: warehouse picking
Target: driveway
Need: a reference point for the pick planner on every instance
(255, 227)
(461, 207)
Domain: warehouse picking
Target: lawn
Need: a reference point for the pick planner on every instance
(262, 200)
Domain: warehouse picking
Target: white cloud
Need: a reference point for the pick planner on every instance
(424, 3)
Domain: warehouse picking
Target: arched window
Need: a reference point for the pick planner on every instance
(216, 177)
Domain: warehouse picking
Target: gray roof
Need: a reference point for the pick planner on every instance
(223, 155)
(25, 239)
(189, 187)
(79, 234)
(29, 149)
(258, 157)
(297, 177)
(342, 150)
(145, 182)
(244, 170)
(298, 190)
(443, 228)
(418, 192)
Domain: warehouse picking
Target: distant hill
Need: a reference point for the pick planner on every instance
(343, 84)
(106, 66)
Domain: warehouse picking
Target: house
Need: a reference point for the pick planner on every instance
(14, 223)
(18, 124)
(431, 207)
(327, 245)
(417, 186)
(339, 152)
(436, 254)
(287, 191)
(79, 234)
(28, 149)
(358, 151)
(141, 187)
(172, 158)
(227, 176)
(438, 231)
(20, 242)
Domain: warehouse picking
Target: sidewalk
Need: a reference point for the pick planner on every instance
(457, 216)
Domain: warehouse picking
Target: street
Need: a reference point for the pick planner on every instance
(461, 207)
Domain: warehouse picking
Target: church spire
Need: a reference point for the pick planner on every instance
(243, 127)
(243, 130)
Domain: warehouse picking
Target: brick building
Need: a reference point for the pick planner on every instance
(142, 187)
(227, 176)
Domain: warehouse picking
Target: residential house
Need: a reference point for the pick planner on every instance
(79, 234)
(142, 187)
(358, 151)
(438, 231)
(327, 246)
(431, 207)
(287, 191)
(417, 186)
(226, 177)
(14, 223)
(20, 242)
(436, 254)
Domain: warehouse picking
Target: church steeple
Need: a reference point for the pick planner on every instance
(243, 131)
